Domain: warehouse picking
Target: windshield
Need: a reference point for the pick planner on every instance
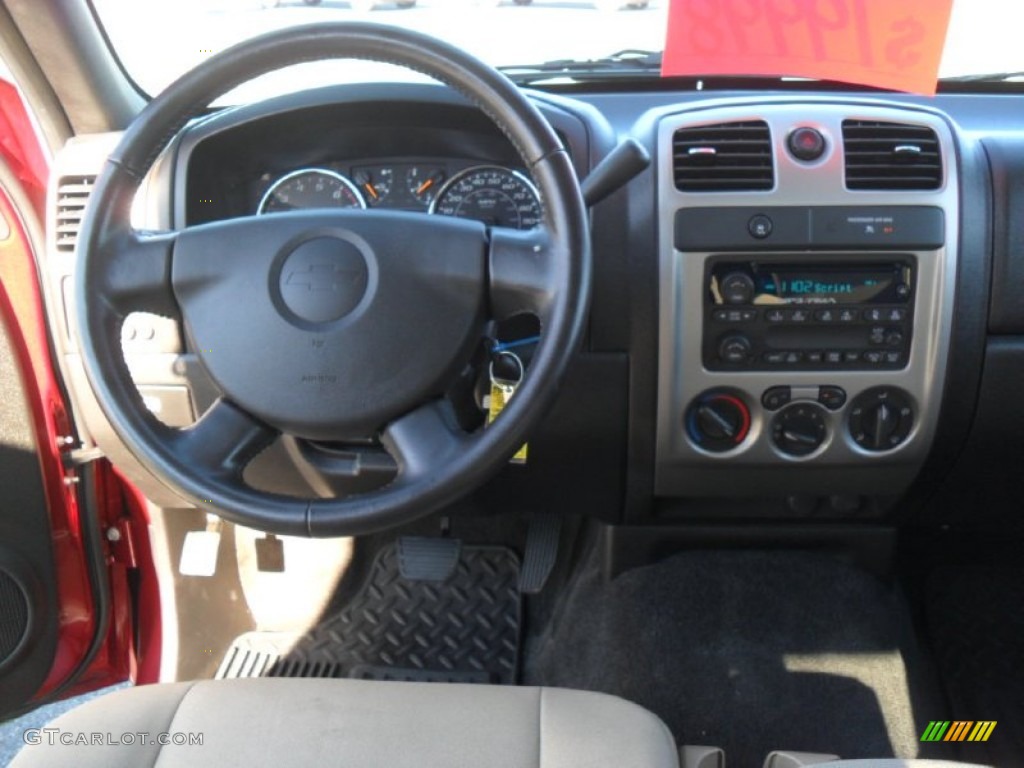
(158, 40)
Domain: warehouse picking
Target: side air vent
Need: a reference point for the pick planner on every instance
(72, 195)
(891, 156)
(728, 157)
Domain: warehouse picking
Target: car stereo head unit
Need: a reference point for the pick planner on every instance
(810, 314)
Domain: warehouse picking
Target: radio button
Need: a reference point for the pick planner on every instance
(734, 349)
(874, 315)
(775, 398)
(825, 315)
(793, 358)
(737, 288)
(848, 316)
(800, 316)
(831, 397)
(734, 315)
(896, 315)
(775, 315)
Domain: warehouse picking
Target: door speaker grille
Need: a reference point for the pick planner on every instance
(13, 615)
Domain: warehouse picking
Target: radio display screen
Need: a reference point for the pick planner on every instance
(841, 288)
(793, 284)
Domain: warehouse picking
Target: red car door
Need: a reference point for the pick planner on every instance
(74, 558)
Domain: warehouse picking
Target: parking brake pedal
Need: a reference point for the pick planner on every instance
(428, 559)
(541, 552)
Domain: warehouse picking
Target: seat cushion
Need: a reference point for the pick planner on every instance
(362, 724)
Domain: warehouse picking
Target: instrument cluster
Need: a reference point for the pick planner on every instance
(494, 194)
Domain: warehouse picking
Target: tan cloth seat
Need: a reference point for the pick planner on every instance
(259, 723)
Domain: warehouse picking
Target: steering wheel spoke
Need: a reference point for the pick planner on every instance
(424, 439)
(137, 273)
(522, 278)
(225, 439)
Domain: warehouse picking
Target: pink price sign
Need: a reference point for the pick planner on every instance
(894, 44)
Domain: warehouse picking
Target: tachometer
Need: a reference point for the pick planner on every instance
(310, 188)
(497, 196)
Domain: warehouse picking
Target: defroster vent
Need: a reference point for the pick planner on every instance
(72, 195)
(891, 156)
(726, 157)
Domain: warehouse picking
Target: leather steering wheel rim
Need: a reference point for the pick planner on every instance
(546, 271)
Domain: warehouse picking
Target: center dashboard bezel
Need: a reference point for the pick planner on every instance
(685, 469)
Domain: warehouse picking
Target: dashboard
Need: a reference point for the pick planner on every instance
(793, 313)
(442, 160)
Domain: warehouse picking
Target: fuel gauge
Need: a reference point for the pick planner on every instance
(374, 183)
(424, 181)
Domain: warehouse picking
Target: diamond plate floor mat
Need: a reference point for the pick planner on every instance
(465, 629)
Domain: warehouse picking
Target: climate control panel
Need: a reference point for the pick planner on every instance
(800, 421)
(800, 429)
(718, 421)
(881, 418)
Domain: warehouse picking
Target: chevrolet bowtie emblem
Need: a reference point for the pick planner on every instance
(321, 277)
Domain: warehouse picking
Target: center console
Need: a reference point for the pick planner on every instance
(807, 255)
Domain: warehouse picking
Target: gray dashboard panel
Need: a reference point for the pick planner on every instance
(680, 465)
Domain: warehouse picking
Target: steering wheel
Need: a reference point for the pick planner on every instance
(332, 325)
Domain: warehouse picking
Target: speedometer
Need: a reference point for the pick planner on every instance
(310, 188)
(492, 194)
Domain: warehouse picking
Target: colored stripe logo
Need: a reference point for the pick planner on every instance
(958, 730)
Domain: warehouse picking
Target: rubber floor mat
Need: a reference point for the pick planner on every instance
(465, 629)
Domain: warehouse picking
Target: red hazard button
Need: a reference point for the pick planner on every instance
(806, 144)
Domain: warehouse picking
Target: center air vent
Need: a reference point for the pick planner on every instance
(727, 157)
(72, 195)
(891, 156)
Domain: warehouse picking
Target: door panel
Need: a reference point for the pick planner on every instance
(51, 625)
(28, 592)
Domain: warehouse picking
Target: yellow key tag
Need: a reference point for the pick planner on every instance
(501, 393)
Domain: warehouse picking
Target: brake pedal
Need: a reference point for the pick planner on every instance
(428, 559)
